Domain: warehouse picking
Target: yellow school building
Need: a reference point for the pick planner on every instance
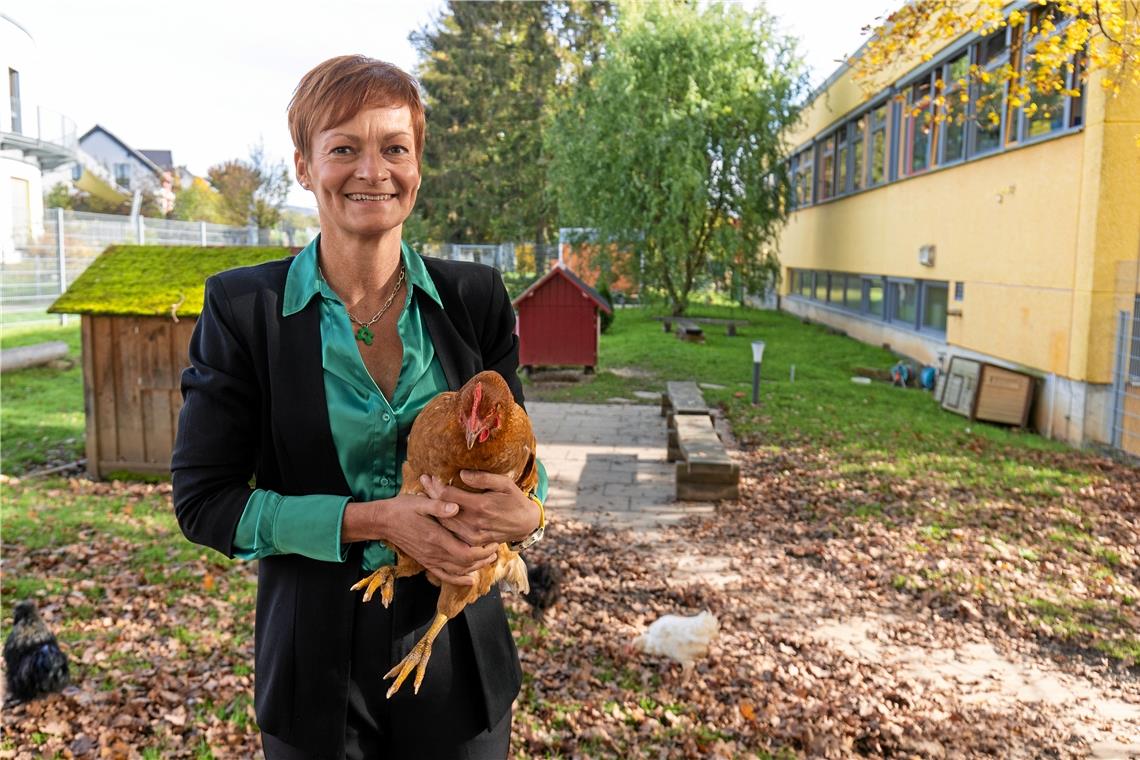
(1011, 239)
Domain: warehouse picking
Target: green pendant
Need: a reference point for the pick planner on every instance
(364, 335)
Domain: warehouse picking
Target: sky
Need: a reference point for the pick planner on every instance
(208, 80)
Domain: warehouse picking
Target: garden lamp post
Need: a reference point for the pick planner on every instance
(757, 358)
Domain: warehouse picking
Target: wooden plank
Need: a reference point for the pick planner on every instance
(699, 443)
(128, 363)
(103, 383)
(91, 425)
(686, 398)
(158, 433)
(1003, 396)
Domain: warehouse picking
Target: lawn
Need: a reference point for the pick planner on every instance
(862, 498)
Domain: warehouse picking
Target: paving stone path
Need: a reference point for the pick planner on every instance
(606, 464)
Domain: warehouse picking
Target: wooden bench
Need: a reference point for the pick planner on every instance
(704, 469)
(730, 325)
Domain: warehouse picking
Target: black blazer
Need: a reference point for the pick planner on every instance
(254, 405)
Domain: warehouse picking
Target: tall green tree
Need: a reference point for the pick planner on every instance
(675, 150)
(490, 71)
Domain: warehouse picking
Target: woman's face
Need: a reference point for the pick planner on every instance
(364, 172)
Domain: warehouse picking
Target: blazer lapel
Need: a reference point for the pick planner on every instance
(305, 413)
(454, 355)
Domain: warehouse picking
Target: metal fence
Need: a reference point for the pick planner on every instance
(1126, 382)
(50, 256)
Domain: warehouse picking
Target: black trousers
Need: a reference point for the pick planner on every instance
(446, 720)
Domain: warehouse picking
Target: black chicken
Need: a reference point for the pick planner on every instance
(545, 587)
(32, 656)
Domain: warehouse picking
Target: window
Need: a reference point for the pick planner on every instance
(123, 175)
(1134, 354)
(988, 94)
(820, 286)
(878, 146)
(841, 161)
(917, 127)
(14, 90)
(853, 293)
(801, 178)
(826, 169)
(959, 291)
(934, 302)
(1047, 112)
(955, 76)
(873, 294)
(858, 135)
(904, 303)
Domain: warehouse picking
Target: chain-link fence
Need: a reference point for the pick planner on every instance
(48, 258)
(1126, 382)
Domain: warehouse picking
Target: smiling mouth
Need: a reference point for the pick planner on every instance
(366, 197)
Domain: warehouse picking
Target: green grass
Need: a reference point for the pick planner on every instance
(41, 408)
(881, 429)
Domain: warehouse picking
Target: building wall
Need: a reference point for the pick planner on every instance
(18, 51)
(109, 152)
(1045, 239)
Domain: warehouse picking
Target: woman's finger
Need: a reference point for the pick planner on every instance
(487, 481)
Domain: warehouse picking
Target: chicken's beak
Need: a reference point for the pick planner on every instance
(471, 438)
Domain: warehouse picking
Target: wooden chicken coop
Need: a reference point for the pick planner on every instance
(559, 321)
(138, 306)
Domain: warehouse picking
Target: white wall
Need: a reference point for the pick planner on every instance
(18, 51)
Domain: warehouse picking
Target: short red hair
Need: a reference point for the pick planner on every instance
(338, 89)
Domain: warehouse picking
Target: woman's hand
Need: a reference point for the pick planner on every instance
(412, 522)
(502, 513)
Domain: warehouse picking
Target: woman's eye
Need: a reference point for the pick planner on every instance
(342, 150)
(398, 149)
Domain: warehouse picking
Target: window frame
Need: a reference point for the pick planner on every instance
(15, 102)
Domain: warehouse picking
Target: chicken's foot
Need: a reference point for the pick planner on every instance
(417, 658)
(383, 579)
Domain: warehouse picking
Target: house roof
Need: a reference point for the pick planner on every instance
(154, 280)
(561, 270)
(164, 159)
(149, 164)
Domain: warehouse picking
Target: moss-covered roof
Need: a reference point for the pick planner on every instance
(148, 280)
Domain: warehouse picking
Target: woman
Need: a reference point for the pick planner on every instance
(307, 374)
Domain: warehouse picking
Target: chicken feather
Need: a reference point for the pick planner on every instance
(478, 427)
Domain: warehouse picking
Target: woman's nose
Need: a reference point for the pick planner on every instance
(371, 167)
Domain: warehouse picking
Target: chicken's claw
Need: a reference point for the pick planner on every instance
(417, 658)
(383, 579)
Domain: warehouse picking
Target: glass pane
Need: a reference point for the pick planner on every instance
(805, 284)
(835, 292)
(820, 286)
(878, 156)
(991, 48)
(905, 302)
(934, 306)
(854, 293)
(918, 127)
(1049, 116)
(954, 131)
(807, 167)
(857, 169)
(874, 288)
(987, 115)
(841, 165)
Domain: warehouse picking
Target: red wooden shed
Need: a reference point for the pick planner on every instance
(558, 321)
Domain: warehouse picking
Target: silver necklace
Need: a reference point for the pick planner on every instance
(364, 334)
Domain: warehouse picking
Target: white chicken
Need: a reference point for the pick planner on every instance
(679, 637)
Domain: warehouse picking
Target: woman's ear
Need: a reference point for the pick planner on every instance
(302, 169)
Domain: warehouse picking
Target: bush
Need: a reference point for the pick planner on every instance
(607, 317)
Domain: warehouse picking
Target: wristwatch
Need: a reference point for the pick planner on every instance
(537, 533)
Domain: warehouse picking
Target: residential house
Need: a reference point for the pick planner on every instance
(133, 171)
(1011, 237)
(33, 139)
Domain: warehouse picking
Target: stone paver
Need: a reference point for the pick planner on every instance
(606, 464)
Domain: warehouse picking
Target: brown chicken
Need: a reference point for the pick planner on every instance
(478, 427)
